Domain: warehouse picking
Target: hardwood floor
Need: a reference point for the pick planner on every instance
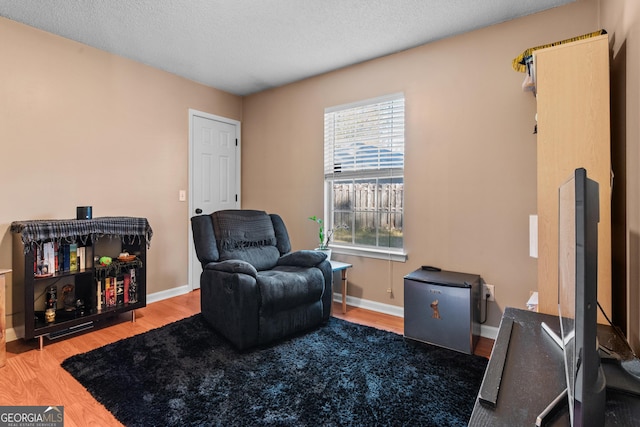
(33, 377)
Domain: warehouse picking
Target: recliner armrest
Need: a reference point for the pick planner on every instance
(302, 258)
(233, 266)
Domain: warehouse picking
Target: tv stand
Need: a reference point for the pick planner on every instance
(550, 412)
(533, 376)
(619, 379)
(562, 400)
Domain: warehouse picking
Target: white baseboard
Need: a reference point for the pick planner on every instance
(393, 310)
(378, 307)
(489, 331)
(169, 293)
(10, 335)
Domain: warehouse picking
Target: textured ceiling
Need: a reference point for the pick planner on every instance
(246, 46)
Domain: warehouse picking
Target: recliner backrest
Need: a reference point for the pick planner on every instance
(248, 235)
(282, 235)
(204, 239)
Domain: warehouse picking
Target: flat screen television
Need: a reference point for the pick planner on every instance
(592, 369)
(579, 214)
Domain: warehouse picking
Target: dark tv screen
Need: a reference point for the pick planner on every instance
(578, 298)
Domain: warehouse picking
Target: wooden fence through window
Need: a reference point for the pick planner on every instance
(368, 200)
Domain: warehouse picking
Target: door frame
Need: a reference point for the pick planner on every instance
(193, 281)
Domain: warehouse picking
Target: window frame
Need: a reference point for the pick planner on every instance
(387, 253)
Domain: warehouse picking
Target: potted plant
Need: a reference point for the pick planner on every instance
(323, 239)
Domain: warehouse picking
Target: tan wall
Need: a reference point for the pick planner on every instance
(79, 126)
(470, 173)
(621, 18)
(470, 170)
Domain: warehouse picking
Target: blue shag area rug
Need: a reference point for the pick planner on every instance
(340, 374)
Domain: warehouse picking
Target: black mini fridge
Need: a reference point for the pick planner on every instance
(443, 308)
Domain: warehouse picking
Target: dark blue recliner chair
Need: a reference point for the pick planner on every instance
(253, 289)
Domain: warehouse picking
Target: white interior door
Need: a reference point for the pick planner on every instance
(214, 172)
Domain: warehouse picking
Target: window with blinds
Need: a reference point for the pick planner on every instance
(364, 173)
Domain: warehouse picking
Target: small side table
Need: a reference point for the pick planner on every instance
(3, 317)
(342, 268)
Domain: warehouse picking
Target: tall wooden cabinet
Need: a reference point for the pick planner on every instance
(572, 82)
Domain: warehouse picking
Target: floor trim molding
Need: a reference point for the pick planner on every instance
(379, 307)
(486, 331)
(490, 332)
(169, 293)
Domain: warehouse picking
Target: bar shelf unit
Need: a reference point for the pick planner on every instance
(107, 236)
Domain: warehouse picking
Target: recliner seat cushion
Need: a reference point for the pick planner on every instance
(286, 287)
(261, 257)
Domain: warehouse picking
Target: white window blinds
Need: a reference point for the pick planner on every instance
(365, 138)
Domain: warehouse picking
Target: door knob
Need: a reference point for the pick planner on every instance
(198, 211)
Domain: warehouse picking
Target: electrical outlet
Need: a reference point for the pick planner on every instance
(489, 290)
